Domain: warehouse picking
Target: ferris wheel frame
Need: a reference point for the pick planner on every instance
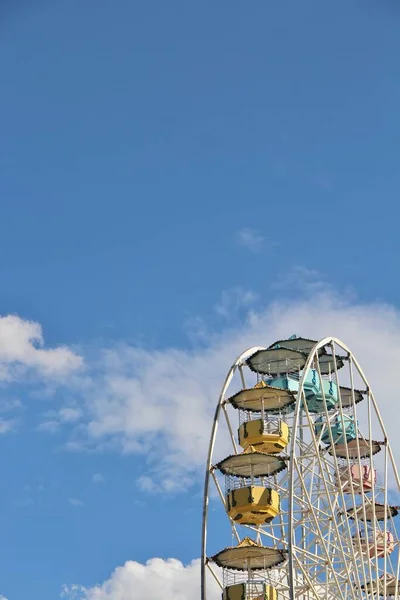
(238, 365)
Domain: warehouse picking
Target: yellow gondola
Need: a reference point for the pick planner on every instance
(270, 436)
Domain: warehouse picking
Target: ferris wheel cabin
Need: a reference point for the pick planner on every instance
(245, 570)
(249, 486)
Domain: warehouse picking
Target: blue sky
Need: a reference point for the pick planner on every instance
(168, 170)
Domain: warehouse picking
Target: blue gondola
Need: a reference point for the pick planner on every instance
(312, 389)
(336, 426)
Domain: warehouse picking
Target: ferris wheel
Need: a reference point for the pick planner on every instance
(308, 484)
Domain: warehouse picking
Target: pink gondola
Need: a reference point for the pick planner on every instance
(368, 545)
(363, 479)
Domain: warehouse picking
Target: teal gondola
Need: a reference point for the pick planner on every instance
(313, 391)
(339, 433)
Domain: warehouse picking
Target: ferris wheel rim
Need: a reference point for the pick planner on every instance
(238, 362)
(332, 341)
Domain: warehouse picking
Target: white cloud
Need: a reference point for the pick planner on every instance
(147, 484)
(21, 348)
(251, 239)
(301, 279)
(8, 405)
(70, 415)
(160, 403)
(157, 403)
(75, 501)
(233, 300)
(6, 425)
(50, 426)
(54, 419)
(98, 478)
(158, 578)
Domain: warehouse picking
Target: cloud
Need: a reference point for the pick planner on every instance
(302, 279)
(70, 415)
(51, 426)
(233, 300)
(167, 484)
(7, 425)
(98, 478)
(323, 180)
(160, 403)
(144, 401)
(167, 579)
(75, 501)
(251, 239)
(8, 405)
(21, 348)
(55, 419)
(147, 484)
